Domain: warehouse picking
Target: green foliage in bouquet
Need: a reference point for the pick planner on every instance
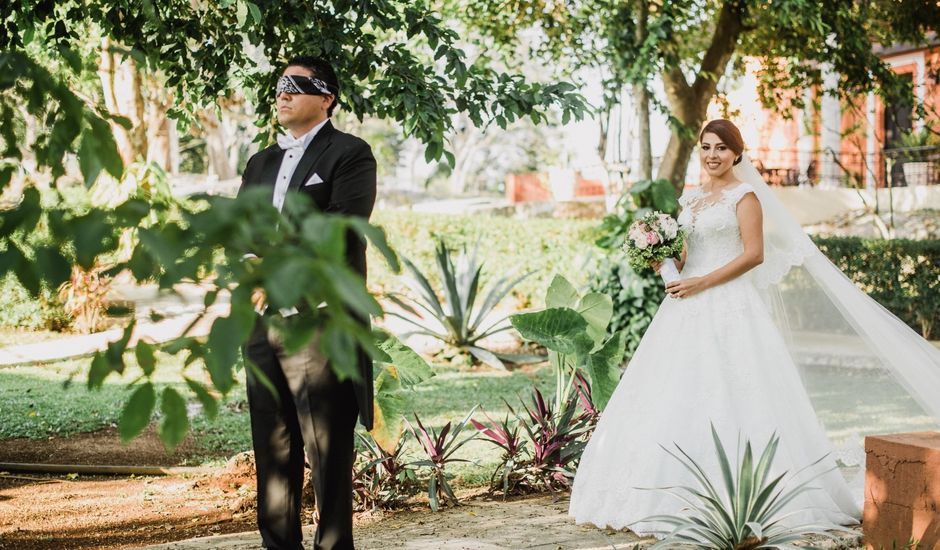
(741, 510)
(652, 224)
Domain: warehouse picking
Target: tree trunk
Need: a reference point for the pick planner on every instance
(641, 101)
(216, 145)
(689, 104)
(604, 128)
(121, 84)
(161, 130)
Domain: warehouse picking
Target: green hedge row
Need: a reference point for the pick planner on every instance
(545, 246)
(902, 275)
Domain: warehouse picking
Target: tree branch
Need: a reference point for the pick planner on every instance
(724, 41)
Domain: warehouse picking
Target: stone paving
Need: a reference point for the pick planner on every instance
(535, 523)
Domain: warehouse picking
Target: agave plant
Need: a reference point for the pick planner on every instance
(440, 448)
(381, 479)
(507, 436)
(459, 312)
(748, 514)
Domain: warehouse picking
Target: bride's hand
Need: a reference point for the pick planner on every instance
(684, 288)
(655, 265)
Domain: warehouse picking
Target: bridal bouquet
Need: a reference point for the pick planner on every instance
(654, 237)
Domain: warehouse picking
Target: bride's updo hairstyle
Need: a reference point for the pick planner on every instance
(729, 134)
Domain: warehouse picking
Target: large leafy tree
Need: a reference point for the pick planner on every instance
(691, 45)
(396, 60)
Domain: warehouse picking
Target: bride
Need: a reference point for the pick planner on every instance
(738, 343)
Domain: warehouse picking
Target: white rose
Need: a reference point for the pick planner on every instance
(670, 230)
(640, 242)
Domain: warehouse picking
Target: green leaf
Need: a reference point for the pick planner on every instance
(255, 12)
(350, 286)
(175, 420)
(209, 403)
(377, 237)
(137, 412)
(99, 370)
(281, 286)
(144, 352)
(340, 347)
(561, 293)
(604, 368)
(116, 349)
(225, 339)
(52, 267)
(559, 329)
(664, 196)
(597, 309)
(409, 368)
(388, 411)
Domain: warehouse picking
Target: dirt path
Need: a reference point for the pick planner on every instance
(99, 447)
(86, 513)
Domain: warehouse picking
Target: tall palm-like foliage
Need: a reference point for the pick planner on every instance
(742, 510)
(456, 308)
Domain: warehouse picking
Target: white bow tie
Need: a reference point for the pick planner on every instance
(285, 141)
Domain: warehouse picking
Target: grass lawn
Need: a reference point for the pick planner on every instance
(52, 400)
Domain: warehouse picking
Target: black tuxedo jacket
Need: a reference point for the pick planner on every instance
(346, 166)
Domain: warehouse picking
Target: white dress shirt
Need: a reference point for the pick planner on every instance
(294, 149)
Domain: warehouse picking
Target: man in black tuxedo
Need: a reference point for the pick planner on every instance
(313, 410)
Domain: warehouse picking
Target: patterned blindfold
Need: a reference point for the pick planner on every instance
(295, 84)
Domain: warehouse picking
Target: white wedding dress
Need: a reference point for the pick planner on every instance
(715, 357)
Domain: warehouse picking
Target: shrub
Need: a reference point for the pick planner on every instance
(381, 479)
(545, 246)
(439, 448)
(636, 295)
(20, 310)
(902, 275)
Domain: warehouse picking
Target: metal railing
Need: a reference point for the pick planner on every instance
(899, 167)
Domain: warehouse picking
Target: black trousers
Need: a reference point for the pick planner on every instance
(313, 410)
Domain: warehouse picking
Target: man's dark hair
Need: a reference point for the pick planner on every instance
(321, 69)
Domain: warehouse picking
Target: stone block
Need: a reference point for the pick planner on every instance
(902, 491)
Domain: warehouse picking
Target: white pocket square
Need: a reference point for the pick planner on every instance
(314, 179)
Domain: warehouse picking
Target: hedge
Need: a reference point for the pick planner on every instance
(902, 275)
(545, 246)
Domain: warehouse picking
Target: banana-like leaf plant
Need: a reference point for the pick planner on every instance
(574, 329)
(394, 375)
(456, 313)
(743, 510)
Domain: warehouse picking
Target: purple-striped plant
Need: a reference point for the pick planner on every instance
(558, 439)
(440, 448)
(505, 434)
(381, 479)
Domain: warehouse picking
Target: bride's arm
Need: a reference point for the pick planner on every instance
(751, 224)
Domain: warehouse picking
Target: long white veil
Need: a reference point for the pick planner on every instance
(866, 371)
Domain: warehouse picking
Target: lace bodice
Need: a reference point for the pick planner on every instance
(711, 226)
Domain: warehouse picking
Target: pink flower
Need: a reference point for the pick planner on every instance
(652, 238)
